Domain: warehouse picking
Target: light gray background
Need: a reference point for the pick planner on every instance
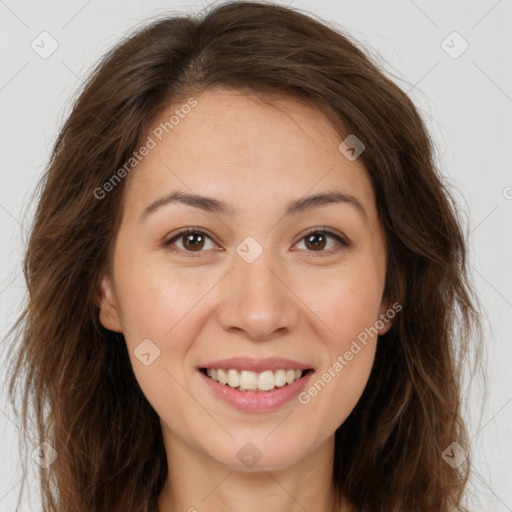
(466, 101)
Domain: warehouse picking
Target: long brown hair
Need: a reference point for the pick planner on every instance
(76, 375)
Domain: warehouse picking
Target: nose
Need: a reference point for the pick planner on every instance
(257, 302)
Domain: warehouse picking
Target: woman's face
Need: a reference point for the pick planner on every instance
(249, 283)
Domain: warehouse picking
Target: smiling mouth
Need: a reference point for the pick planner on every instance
(254, 382)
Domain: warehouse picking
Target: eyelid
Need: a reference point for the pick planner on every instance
(169, 239)
(328, 231)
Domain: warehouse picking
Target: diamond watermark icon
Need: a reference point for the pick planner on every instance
(351, 147)
(249, 249)
(45, 455)
(454, 455)
(146, 352)
(454, 45)
(44, 45)
(249, 454)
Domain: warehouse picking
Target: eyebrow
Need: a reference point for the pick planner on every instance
(212, 205)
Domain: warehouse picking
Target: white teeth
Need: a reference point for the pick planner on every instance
(280, 378)
(290, 376)
(251, 381)
(233, 379)
(266, 381)
(222, 376)
(248, 380)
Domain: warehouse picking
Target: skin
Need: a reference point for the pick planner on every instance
(293, 301)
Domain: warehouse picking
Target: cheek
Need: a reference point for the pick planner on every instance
(338, 385)
(336, 401)
(347, 303)
(155, 299)
(158, 319)
(166, 307)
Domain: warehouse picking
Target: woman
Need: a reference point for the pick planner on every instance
(245, 277)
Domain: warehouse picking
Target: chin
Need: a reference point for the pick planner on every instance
(259, 454)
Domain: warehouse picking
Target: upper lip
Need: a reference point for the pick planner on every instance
(257, 365)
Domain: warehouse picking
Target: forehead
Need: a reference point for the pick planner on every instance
(245, 150)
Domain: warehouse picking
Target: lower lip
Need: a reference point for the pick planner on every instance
(256, 402)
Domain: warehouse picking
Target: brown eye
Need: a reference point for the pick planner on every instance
(316, 240)
(192, 240)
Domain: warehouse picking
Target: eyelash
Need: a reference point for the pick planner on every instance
(343, 244)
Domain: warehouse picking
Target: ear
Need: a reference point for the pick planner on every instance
(384, 321)
(109, 313)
